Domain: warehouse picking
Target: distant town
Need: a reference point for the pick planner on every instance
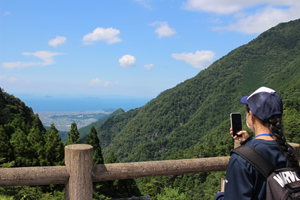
(64, 119)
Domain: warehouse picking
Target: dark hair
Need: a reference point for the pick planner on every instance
(247, 108)
(275, 123)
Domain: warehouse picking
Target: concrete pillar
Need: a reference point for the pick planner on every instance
(79, 163)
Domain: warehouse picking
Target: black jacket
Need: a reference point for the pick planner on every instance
(243, 181)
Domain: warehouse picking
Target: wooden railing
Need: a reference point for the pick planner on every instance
(79, 173)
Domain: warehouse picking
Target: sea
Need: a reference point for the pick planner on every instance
(83, 104)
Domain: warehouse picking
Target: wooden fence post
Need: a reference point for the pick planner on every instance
(79, 163)
(236, 144)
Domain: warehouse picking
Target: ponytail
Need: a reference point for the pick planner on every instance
(275, 122)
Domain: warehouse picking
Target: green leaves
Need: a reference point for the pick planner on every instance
(6, 150)
(93, 140)
(112, 158)
(36, 143)
(73, 135)
(21, 148)
(291, 120)
(54, 148)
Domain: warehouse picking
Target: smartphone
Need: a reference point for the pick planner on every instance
(236, 123)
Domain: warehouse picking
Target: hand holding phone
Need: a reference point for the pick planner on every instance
(236, 124)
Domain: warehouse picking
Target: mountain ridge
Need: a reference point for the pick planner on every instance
(178, 117)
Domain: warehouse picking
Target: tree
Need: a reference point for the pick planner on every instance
(100, 188)
(54, 148)
(121, 188)
(23, 154)
(37, 141)
(171, 194)
(291, 119)
(111, 189)
(6, 151)
(38, 123)
(73, 135)
(112, 158)
(93, 140)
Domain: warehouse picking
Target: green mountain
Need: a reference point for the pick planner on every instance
(179, 117)
(113, 126)
(84, 131)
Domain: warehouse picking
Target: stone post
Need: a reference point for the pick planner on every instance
(79, 163)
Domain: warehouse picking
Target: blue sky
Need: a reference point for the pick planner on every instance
(133, 48)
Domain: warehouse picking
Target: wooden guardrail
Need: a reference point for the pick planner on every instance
(79, 173)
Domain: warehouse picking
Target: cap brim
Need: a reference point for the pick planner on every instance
(243, 100)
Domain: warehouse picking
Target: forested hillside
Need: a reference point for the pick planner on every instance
(84, 131)
(25, 143)
(179, 117)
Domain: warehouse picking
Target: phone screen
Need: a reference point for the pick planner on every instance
(236, 123)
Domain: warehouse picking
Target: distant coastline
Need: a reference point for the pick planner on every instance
(82, 104)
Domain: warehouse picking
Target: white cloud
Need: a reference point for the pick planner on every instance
(239, 15)
(46, 56)
(217, 6)
(7, 13)
(268, 14)
(231, 6)
(2, 77)
(26, 83)
(215, 21)
(109, 35)
(144, 3)
(58, 40)
(201, 59)
(94, 81)
(19, 64)
(12, 79)
(127, 61)
(163, 29)
(148, 67)
(262, 20)
(107, 83)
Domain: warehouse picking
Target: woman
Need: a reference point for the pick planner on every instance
(263, 116)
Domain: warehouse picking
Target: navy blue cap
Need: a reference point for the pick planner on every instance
(264, 103)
